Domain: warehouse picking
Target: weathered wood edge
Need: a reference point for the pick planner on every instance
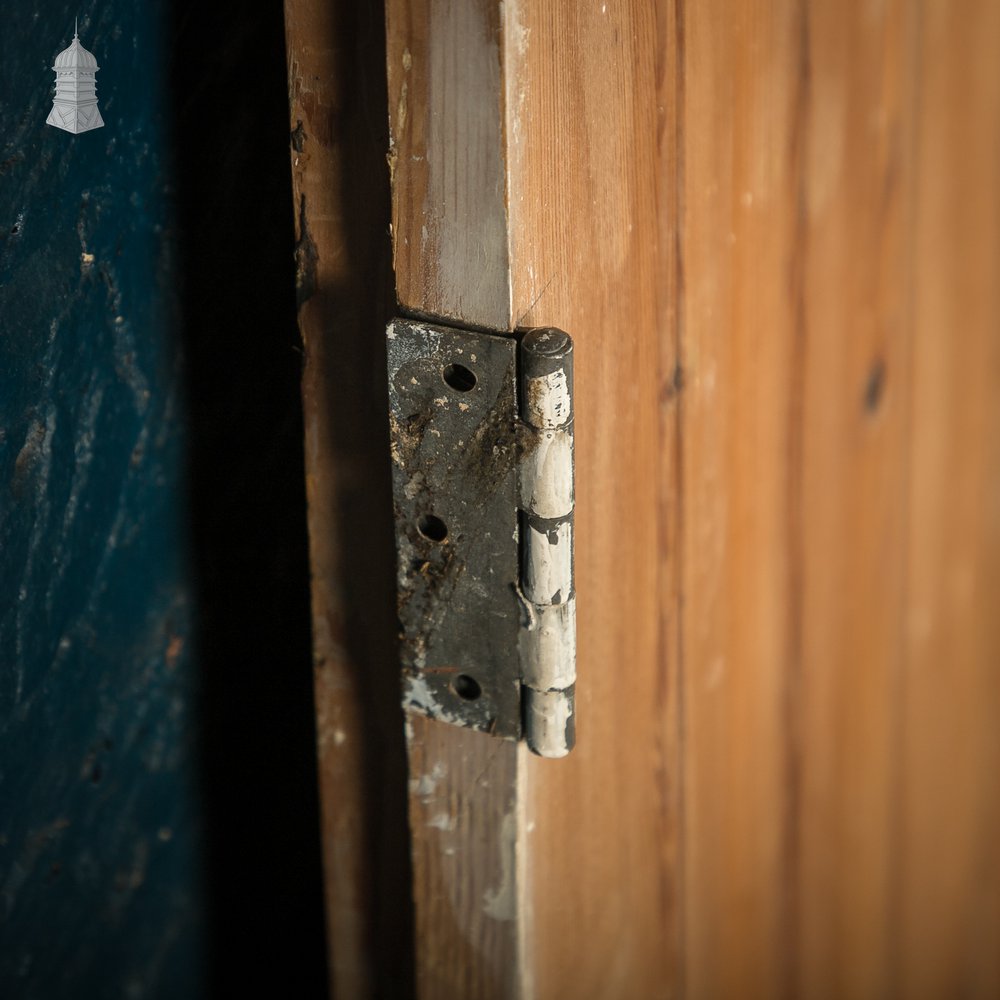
(446, 161)
(451, 261)
(336, 94)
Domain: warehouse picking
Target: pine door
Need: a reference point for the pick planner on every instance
(774, 234)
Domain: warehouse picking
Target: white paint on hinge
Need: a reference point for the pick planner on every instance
(547, 474)
(418, 697)
(548, 647)
(547, 400)
(548, 714)
(548, 564)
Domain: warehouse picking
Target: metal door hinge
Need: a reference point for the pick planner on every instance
(481, 432)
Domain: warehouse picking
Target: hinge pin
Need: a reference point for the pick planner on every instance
(548, 640)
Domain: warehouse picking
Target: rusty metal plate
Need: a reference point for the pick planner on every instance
(453, 412)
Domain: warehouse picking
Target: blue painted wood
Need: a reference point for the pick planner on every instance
(99, 827)
(158, 817)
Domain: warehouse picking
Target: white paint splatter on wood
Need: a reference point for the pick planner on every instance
(500, 903)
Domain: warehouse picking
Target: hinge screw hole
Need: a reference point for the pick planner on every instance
(432, 528)
(459, 378)
(466, 687)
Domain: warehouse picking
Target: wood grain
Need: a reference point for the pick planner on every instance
(338, 141)
(774, 234)
(450, 256)
(946, 874)
(446, 160)
(840, 667)
(467, 822)
(559, 108)
(584, 142)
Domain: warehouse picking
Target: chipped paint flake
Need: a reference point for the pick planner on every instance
(548, 400)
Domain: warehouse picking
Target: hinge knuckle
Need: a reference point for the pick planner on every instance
(548, 647)
(547, 472)
(547, 559)
(481, 435)
(548, 643)
(550, 721)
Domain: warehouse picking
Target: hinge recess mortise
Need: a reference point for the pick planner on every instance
(481, 434)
